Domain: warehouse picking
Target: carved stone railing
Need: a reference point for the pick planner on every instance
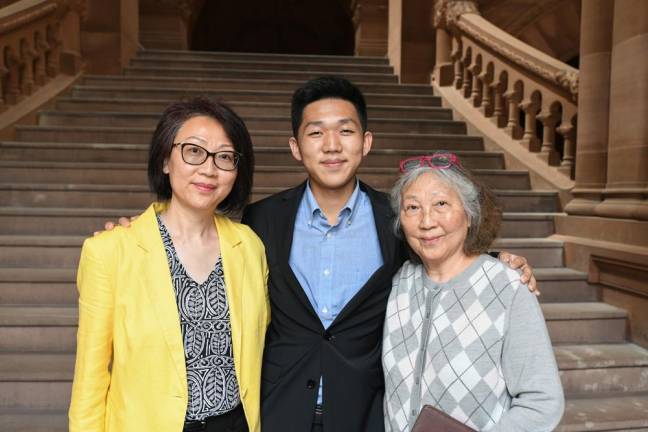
(30, 46)
(529, 94)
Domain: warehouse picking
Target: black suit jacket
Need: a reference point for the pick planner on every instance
(298, 350)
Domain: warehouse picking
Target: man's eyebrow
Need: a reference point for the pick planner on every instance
(314, 123)
(347, 120)
(321, 123)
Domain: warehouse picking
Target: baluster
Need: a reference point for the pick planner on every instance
(458, 65)
(498, 104)
(13, 83)
(54, 54)
(529, 138)
(27, 55)
(513, 128)
(467, 79)
(568, 131)
(486, 102)
(476, 87)
(548, 152)
(40, 75)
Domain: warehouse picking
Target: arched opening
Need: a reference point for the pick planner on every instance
(283, 26)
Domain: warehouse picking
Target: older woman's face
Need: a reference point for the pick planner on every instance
(433, 220)
(200, 187)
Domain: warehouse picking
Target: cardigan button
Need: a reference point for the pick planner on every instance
(310, 384)
(328, 336)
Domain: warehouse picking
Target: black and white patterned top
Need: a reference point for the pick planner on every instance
(207, 337)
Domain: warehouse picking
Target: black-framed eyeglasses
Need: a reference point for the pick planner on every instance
(193, 154)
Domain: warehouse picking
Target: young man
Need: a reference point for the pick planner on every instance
(331, 253)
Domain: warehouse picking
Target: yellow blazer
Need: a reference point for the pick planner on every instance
(130, 366)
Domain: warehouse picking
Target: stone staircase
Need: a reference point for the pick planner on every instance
(84, 163)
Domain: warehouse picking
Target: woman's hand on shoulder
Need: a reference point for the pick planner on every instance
(122, 221)
(517, 262)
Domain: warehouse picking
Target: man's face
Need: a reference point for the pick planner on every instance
(331, 144)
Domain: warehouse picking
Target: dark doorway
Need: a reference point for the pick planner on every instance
(275, 26)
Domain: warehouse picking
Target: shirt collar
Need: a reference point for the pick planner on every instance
(313, 209)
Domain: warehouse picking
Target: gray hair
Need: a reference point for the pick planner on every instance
(456, 178)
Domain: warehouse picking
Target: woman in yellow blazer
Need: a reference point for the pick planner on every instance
(173, 310)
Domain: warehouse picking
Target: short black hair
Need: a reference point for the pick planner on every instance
(326, 87)
(173, 117)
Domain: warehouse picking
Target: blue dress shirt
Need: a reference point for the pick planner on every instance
(332, 262)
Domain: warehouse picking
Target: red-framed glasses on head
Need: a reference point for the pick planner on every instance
(437, 160)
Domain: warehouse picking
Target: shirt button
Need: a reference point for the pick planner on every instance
(327, 272)
(413, 412)
(324, 310)
(416, 381)
(329, 235)
(310, 384)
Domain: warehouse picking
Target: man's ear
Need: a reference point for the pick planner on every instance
(366, 144)
(294, 148)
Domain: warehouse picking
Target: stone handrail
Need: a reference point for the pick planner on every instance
(521, 89)
(30, 47)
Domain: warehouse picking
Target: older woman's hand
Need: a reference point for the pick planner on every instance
(518, 262)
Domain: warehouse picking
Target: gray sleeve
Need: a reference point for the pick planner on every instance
(529, 369)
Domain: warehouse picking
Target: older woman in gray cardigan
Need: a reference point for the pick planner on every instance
(462, 333)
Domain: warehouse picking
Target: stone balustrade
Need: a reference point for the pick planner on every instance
(529, 94)
(30, 47)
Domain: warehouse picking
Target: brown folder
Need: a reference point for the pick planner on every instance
(433, 420)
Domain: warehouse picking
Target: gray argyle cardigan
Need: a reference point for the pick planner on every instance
(475, 347)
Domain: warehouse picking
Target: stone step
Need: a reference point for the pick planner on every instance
(451, 140)
(602, 368)
(35, 380)
(262, 87)
(36, 286)
(280, 155)
(120, 196)
(67, 103)
(52, 328)
(49, 251)
(516, 225)
(562, 284)
(587, 322)
(540, 252)
(613, 412)
(369, 73)
(42, 328)
(323, 68)
(285, 58)
(270, 176)
(170, 92)
(31, 420)
(24, 251)
(442, 124)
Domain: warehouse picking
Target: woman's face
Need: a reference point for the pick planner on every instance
(433, 220)
(200, 187)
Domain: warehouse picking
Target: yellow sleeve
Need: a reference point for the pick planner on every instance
(94, 340)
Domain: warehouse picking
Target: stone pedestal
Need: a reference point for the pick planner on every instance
(593, 106)
(109, 35)
(411, 44)
(370, 19)
(626, 191)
